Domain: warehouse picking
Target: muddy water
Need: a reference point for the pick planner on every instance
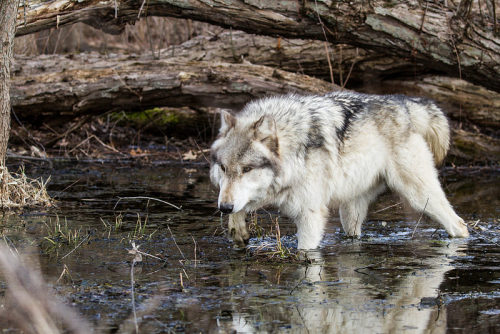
(395, 279)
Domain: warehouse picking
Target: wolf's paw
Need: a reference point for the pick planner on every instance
(352, 233)
(240, 238)
(459, 230)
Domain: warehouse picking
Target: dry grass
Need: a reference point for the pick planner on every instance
(270, 246)
(17, 190)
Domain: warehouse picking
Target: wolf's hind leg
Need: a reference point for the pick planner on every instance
(353, 213)
(415, 178)
(238, 229)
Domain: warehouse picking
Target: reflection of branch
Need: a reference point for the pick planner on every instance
(388, 207)
(148, 198)
(81, 242)
(302, 318)
(368, 267)
(482, 235)
(137, 258)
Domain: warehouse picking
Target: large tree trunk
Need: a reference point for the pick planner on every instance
(456, 41)
(8, 13)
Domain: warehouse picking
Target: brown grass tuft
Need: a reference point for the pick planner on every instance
(17, 190)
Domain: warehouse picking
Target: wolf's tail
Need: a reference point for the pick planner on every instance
(430, 121)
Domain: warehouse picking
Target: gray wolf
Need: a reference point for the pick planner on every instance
(307, 155)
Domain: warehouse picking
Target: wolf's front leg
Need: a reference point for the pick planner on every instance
(238, 229)
(310, 226)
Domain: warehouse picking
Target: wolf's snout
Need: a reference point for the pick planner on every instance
(226, 207)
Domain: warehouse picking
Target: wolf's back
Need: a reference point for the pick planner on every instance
(430, 121)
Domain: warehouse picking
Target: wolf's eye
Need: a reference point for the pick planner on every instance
(223, 167)
(246, 169)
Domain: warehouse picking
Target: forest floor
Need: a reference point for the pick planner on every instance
(140, 137)
(160, 135)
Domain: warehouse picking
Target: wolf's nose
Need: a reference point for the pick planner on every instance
(226, 207)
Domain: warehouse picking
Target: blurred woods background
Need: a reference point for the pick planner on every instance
(153, 87)
(148, 35)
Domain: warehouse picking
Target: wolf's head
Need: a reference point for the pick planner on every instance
(244, 161)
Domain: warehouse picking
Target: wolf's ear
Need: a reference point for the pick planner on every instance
(264, 127)
(265, 131)
(227, 121)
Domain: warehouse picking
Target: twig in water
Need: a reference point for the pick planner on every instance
(148, 198)
(81, 242)
(390, 206)
(368, 266)
(185, 273)
(137, 258)
(175, 242)
(421, 215)
(71, 185)
(194, 251)
(483, 236)
(65, 271)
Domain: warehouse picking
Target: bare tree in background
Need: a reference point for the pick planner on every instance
(8, 14)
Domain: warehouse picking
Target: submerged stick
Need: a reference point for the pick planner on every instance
(387, 207)
(137, 258)
(148, 198)
(81, 242)
(175, 242)
(421, 215)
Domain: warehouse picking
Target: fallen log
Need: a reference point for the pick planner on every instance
(453, 40)
(463, 101)
(350, 66)
(365, 71)
(60, 88)
(470, 147)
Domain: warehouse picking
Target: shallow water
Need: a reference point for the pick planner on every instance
(394, 279)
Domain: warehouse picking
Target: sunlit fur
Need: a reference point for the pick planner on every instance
(308, 155)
